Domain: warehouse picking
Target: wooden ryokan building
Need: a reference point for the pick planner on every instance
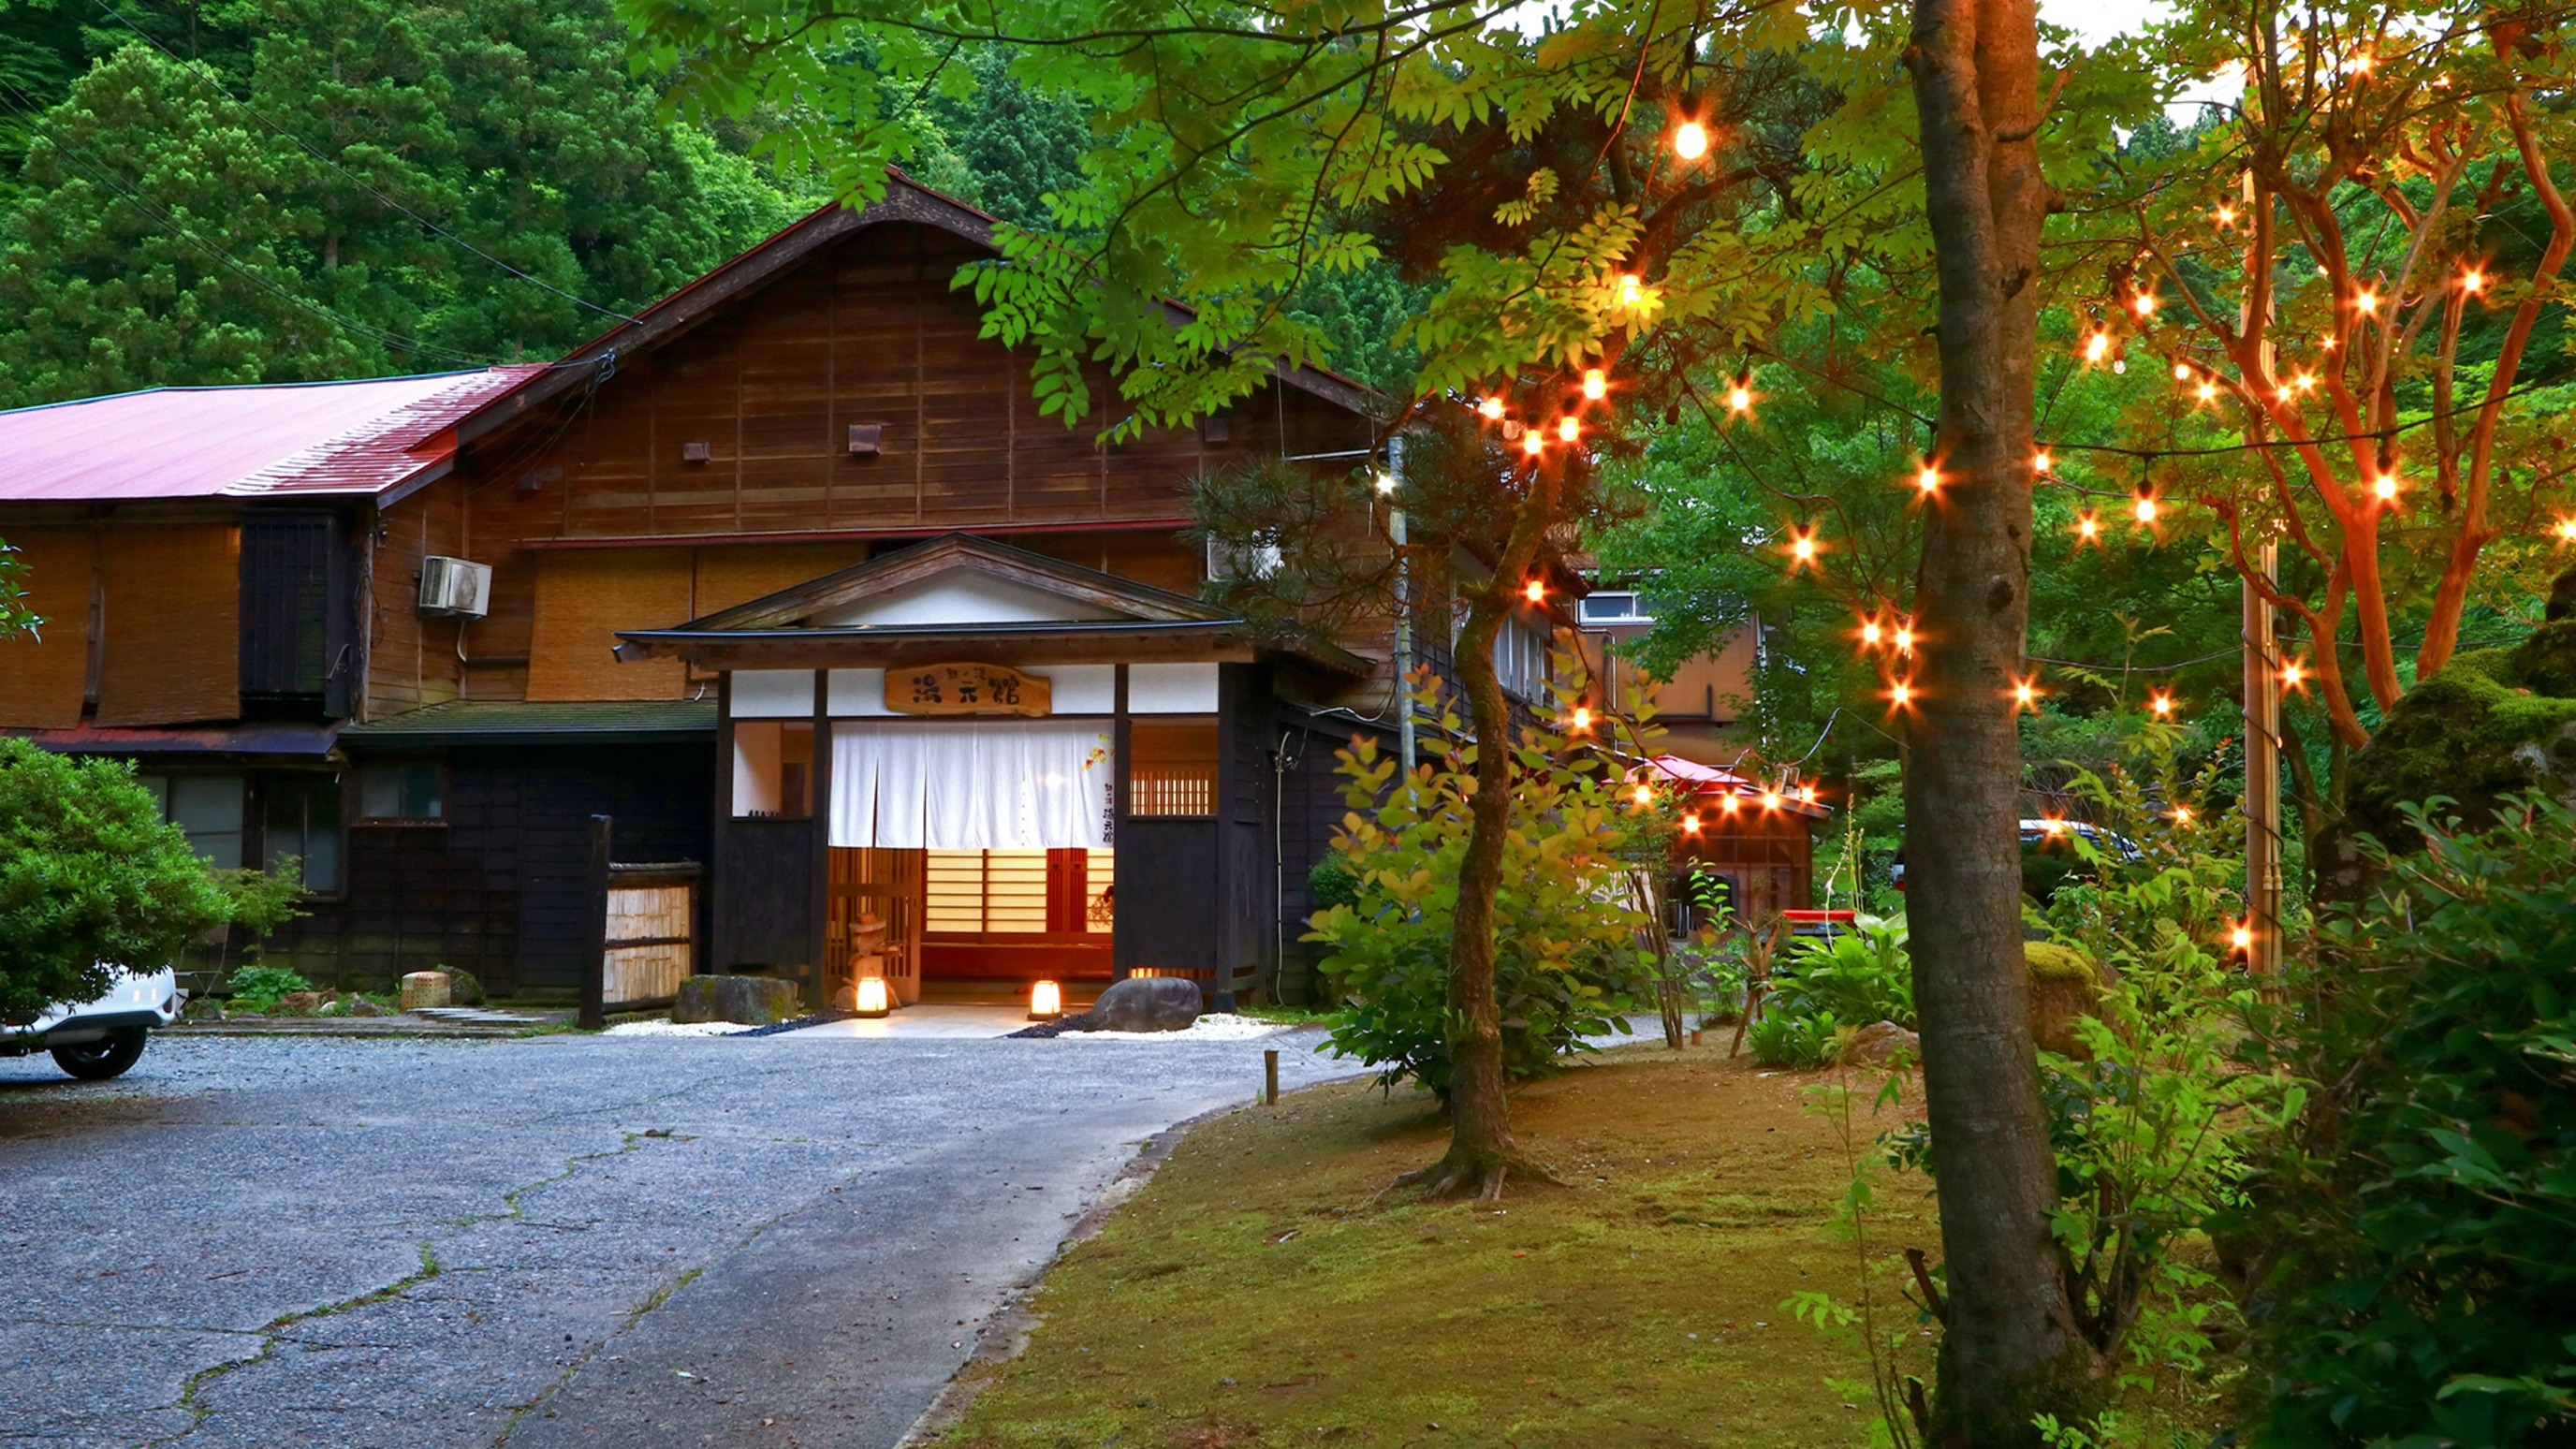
(787, 576)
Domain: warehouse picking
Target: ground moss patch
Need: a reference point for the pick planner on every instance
(1259, 1291)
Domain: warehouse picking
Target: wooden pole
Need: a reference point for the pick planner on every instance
(1270, 1077)
(594, 970)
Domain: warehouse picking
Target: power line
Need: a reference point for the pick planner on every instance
(80, 157)
(196, 69)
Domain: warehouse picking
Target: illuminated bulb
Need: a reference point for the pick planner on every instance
(2146, 509)
(2052, 826)
(1929, 479)
(2182, 372)
(1690, 825)
(1582, 718)
(1631, 290)
(2385, 485)
(1739, 399)
(2365, 301)
(1869, 633)
(1807, 793)
(2097, 347)
(1690, 140)
(2327, 342)
(1531, 442)
(2242, 938)
(2182, 815)
(1645, 796)
(1804, 549)
(2292, 671)
(2227, 216)
(2473, 281)
(2303, 382)
(1492, 407)
(2040, 462)
(1569, 427)
(2207, 390)
(1046, 1001)
(2359, 65)
(1902, 695)
(1770, 799)
(1904, 638)
(2162, 704)
(1535, 591)
(2026, 695)
(1596, 383)
(2087, 527)
(2567, 530)
(1386, 483)
(1728, 803)
(2144, 305)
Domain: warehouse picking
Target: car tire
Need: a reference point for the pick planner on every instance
(96, 1061)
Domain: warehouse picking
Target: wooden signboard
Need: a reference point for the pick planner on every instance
(967, 689)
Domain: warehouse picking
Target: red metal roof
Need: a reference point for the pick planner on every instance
(242, 442)
(1689, 777)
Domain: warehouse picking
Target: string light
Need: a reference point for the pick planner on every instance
(1901, 695)
(1770, 799)
(1535, 591)
(1582, 719)
(1569, 427)
(1385, 483)
(2144, 304)
(1904, 638)
(2098, 346)
(2473, 281)
(2040, 461)
(1690, 140)
(1739, 398)
(2365, 301)
(2207, 390)
(1928, 480)
(2385, 486)
(2241, 936)
(1645, 796)
(2227, 216)
(2182, 815)
(1690, 824)
(1491, 407)
(2293, 673)
(1596, 383)
(2303, 382)
(1807, 794)
(2052, 826)
(1531, 442)
(2182, 372)
(2162, 703)
(2088, 529)
(2146, 506)
(1869, 631)
(2567, 530)
(1802, 547)
(1728, 803)
(2026, 695)
(1631, 290)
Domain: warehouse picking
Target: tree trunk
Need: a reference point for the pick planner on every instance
(1482, 1151)
(2011, 1350)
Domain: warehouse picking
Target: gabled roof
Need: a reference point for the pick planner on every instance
(906, 201)
(1078, 609)
(890, 573)
(1689, 777)
(258, 441)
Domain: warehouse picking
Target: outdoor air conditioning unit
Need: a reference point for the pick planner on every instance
(451, 588)
(1259, 560)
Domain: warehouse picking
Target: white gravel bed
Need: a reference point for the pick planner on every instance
(676, 1028)
(1213, 1026)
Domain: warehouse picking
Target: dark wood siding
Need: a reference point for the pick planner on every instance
(501, 887)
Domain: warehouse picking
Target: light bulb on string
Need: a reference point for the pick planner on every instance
(1385, 484)
(1531, 442)
(1569, 428)
(2473, 281)
(1807, 794)
(2145, 508)
(2567, 529)
(1770, 799)
(2051, 825)
(1802, 548)
(2026, 695)
(2226, 216)
(1739, 398)
(2365, 301)
(2241, 937)
(2088, 529)
(2182, 815)
(2207, 391)
(1491, 407)
(1869, 631)
(1582, 719)
(1690, 825)
(2097, 346)
(2384, 487)
(1596, 384)
(1728, 803)
(2162, 703)
(1901, 694)
(1928, 481)
(1904, 638)
(1645, 796)
(2040, 462)
(2182, 372)
(2144, 304)
(1632, 290)
(2293, 674)
(1535, 591)
(1690, 140)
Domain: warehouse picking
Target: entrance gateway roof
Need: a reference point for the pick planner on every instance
(925, 603)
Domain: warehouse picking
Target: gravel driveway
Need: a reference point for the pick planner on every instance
(559, 1241)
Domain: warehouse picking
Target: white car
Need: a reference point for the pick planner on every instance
(96, 1040)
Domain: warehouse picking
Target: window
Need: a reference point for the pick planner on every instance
(1171, 769)
(402, 790)
(1019, 892)
(300, 819)
(773, 765)
(208, 808)
(1520, 659)
(1621, 608)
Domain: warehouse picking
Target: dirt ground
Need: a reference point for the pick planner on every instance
(1259, 1291)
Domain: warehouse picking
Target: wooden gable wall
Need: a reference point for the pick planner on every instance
(592, 498)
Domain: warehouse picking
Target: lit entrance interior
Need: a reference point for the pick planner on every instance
(958, 925)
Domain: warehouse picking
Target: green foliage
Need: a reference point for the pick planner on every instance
(164, 232)
(1824, 988)
(1566, 930)
(2417, 1226)
(264, 984)
(90, 879)
(16, 617)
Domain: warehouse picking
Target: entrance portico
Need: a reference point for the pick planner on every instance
(964, 767)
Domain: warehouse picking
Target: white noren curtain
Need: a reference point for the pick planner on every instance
(973, 785)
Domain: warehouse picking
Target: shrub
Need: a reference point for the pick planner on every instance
(1824, 987)
(1566, 958)
(2420, 1287)
(266, 983)
(91, 879)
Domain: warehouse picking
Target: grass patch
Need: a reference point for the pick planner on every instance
(1253, 1294)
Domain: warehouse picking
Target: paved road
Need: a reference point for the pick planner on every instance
(561, 1241)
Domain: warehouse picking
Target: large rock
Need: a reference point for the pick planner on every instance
(749, 1000)
(1145, 1003)
(1881, 1042)
(2493, 722)
(463, 989)
(2064, 985)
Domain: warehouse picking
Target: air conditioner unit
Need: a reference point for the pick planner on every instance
(1259, 560)
(451, 588)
